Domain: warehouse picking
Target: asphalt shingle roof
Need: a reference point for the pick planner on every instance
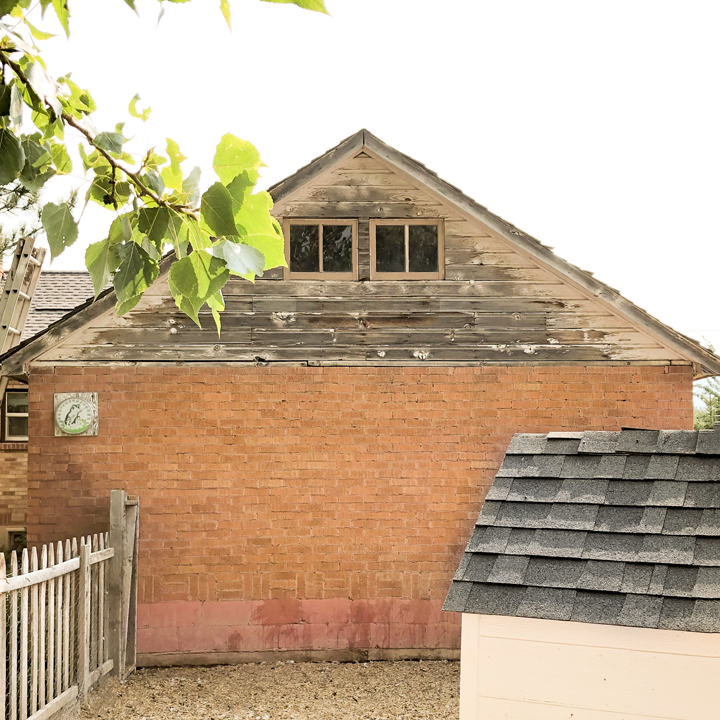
(619, 528)
(56, 294)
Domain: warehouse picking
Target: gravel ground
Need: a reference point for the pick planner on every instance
(285, 691)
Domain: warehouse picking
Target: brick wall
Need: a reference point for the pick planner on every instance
(309, 508)
(13, 487)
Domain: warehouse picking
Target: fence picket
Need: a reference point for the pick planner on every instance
(66, 625)
(50, 692)
(24, 608)
(73, 613)
(59, 623)
(101, 607)
(41, 649)
(13, 640)
(84, 620)
(3, 642)
(34, 657)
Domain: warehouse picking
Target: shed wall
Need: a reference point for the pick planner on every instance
(308, 508)
(531, 669)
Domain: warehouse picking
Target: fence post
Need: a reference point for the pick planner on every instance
(116, 645)
(83, 670)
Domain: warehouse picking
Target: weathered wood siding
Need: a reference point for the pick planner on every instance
(494, 305)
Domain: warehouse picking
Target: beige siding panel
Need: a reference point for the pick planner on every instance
(522, 668)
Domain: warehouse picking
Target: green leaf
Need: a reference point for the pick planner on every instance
(152, 179)
(61, 158)
(121, 229)
(240, 259)
(242, 186)
(233, 156)
(154, 222)
(136, 272)
(132, 109)
(63, 14)
(225, 10)
(216, 303)
(194, 279)
(36, 33)
(5, 93)
(172, 174)
(7, 6)
(110, 141)
(101, 260)
(12, 157)
(259, 228)
(131, 3)
(216, 210)
(316, 5)
(60, 227)
(36, 171)
(191, 187)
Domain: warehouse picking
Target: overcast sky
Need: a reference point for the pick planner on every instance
(593, 127)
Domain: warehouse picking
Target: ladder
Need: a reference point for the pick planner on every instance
(20, 283)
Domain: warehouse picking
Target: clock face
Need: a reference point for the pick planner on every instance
(74, 415)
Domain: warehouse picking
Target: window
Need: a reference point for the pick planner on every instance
(410, 249)
(324, 249)
(16, 416)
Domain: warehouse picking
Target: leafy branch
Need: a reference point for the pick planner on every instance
(225, 230)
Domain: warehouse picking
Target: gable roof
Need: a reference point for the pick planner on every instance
(618, 528)
(704, 362)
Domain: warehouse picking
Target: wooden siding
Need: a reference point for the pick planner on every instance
(494, 305)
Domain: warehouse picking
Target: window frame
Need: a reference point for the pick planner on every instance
(320, 275)
(408, 275)
(5, 415)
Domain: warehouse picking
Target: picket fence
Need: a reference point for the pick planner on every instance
(62, 617)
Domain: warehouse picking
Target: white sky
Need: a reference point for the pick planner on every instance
(594, 127)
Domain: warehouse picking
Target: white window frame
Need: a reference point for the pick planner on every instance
(6, 428)
(407, 275)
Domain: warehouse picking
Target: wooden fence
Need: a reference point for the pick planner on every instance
(57, 619)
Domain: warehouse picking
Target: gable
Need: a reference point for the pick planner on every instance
(498, 302)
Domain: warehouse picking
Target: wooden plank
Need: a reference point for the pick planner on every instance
(115, 645)
(477, 255)
(3, 644)
(25, 581)
(496, 273)
(101, 603)
(13, 641)
(96, 674)
(66, 624)
(59, 607)
(362, 210)
(54, 706)
(50, 689)
(131, 652)
(24, 633)
(128, 596)
(101, 555)
(42, 629)
(34, 639)
(364, 193)
(84, 621)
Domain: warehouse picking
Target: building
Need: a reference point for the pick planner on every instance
(590, 586)
(308, 479)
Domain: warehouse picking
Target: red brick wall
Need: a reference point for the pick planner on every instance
(13, 486)
(309, 508)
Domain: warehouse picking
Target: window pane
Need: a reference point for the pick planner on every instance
(17, 402)
(423, 248)
(337, 248)
(17, 427)
(390, 248)
(304, 248)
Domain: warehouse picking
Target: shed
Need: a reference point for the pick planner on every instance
(307, 480)
(590, 587)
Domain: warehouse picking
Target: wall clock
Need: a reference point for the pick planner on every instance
(76, 414)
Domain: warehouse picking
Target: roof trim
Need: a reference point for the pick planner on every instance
(704, 362)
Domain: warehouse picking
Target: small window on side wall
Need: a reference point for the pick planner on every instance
(406, 249)
(321, 249)
(15, 425)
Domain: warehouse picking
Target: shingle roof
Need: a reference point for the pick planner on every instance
(619, 528)
(56, 294)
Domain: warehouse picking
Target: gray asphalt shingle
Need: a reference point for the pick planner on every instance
(603, 527)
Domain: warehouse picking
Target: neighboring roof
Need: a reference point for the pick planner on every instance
(618, 528)
(56, 294)
(704, 362)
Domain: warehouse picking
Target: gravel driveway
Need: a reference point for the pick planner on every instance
(285, 691)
